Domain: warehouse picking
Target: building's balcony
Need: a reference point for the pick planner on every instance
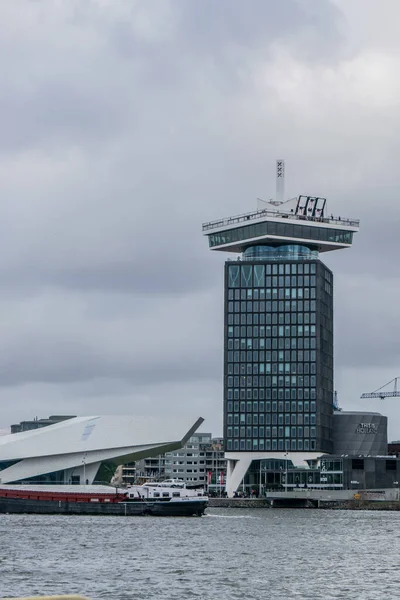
(273, 228)
(276, 214)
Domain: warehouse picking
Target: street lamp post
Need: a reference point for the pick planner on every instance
(84, 469)
(286, 471)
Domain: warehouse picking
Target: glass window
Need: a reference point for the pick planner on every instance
(246, 276)
(233, 276)
(259, 275)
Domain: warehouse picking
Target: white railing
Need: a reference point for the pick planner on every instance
(261, 214)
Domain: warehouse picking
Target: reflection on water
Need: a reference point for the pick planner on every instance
(249, 553)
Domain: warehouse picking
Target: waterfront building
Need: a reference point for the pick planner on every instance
(278, 332)
(360, 433)
(359, 438)
(200, 461)
(333, 478)
(146, 469)
(394, 448)
(39, 423)
(84, 450)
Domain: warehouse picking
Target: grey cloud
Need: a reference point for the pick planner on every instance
(66, 338)
(244, 25)
(102, 396)
(100, 76)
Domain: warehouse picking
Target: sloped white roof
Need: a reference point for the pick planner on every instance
(85, 434)
(92, 440)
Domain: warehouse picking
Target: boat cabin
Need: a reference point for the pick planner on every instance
(163, 490)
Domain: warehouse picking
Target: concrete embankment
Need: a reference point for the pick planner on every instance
(239, 503)
(357, 505)
(341, 505)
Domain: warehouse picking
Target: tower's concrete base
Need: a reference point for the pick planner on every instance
(238, 464)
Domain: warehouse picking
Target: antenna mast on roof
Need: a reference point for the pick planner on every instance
(280, 180)
(280, 188)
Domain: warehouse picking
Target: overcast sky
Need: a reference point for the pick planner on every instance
(125, 124)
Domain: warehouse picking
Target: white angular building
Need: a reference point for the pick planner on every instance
(87, 449)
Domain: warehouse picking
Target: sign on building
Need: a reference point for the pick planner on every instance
(367, 428)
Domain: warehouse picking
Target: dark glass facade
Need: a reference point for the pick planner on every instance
(278, 355)
(285, 229)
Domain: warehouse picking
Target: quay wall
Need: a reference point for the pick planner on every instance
(239, 503)
(333, 505)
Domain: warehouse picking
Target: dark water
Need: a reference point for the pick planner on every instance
(252, 553)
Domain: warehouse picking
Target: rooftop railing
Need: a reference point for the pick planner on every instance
(261, 214)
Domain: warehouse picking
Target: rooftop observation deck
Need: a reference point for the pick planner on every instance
(276, 214)
(323, 233)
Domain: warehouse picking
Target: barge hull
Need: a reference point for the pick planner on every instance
(62, 507)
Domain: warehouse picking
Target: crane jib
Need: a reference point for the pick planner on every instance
(379, 393)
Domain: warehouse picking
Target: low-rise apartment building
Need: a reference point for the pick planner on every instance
(200, 461)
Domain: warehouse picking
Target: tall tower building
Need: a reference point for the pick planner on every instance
(278, 332)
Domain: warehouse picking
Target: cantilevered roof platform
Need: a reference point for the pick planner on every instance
(302, 225)
(79, 446)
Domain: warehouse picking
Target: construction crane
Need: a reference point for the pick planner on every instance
(379, 393)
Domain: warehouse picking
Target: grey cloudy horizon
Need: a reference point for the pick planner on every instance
(125, 125)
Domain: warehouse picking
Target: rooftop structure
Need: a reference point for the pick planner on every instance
(304, 223)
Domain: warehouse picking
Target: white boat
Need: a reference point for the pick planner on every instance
(168, 489)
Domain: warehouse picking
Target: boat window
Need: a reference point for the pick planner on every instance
(165, 494)
(176, 494)
(156, 494)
